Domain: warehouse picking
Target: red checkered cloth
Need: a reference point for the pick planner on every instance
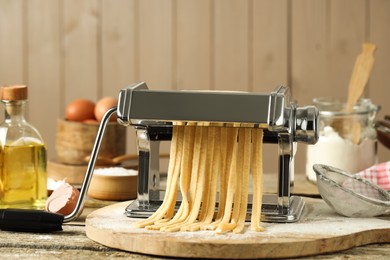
(378, 174)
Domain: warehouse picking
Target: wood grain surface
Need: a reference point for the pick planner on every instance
(68, 50)
(72, 243)
(320, 231)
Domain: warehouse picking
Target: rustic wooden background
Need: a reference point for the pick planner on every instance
(71, 49)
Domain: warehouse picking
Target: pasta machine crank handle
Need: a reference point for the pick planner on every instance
(91, 166)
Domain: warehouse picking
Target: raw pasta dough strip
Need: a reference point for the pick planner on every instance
(151, 219)
(257, 174)
(231, 188)
(175, 146)
(203, 170)
(245, 181)
(213, 157)
(227, 140)
(185, 177)
(196, 163)
(238, 190)
(172, 175)
(200, 184)
(191, 224)
(177, 171)
(171, 200)
(196, 146)
(223, 172)
(240, 161)
(214, 180)
(194, 180)
(209, 161)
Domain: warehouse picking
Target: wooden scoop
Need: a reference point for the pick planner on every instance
(360, 75)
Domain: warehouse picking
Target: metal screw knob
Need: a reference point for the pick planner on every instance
(306, 127)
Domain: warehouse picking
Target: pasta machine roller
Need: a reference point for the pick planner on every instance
(153, 112)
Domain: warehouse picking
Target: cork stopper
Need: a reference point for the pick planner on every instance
(14, 92)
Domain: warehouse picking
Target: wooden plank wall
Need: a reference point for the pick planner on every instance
(88, 49)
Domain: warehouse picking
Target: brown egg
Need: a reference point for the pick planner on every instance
(63, 200)
(80, 110)
(103, 105)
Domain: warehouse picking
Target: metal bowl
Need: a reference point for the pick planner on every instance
(349, 195)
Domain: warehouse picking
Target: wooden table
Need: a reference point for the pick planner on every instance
(72, 243)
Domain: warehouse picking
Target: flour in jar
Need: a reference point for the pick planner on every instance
(335, 151)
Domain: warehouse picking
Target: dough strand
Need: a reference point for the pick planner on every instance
(203, 157)
(172, 175)
(245, 181)
(257, 172)
(232, 182)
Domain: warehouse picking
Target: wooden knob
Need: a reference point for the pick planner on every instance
(14, 92)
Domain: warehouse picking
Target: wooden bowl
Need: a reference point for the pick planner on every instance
(75, 140)
(73, 174)
(109, 186)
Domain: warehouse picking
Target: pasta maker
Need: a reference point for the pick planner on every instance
(153, 112)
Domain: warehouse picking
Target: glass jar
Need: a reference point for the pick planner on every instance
(347, 140)
(23, 159)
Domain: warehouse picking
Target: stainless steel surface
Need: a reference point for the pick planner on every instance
(306, 125)
(350, 195)
(153, 112)
(148, 165)
(138, 105)
(270, 212)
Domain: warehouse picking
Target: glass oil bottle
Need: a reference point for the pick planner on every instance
(23, 159)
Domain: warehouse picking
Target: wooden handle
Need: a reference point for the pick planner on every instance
(360, 74)
(117, 160)
(130, 157)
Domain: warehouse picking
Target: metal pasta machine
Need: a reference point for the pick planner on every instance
(152, 113)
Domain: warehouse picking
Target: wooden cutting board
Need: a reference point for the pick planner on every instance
(319, 231)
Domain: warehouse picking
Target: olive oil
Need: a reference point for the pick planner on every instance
(23, 176)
